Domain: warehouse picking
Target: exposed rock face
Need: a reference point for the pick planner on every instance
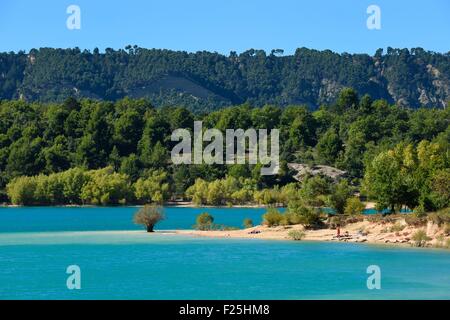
(329, 90)
(304, 170)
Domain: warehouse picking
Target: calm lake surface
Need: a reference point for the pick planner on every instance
(120, 261)
(113, 218)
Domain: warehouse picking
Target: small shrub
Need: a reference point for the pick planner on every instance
(440, 241)
(414, 220)
(447, 229)
(300, 213)
(311, 218)
(272, 217)
(286, 220)
(296, 235)
(391, 218)
(337, 221)
(420, 238)
(420, 212)
(204, 222)
(354, 206)
(440, 217)
(248, 223)
(228, 228)
(290, 218)
(397, 227)
(354, 219)
(374, 217)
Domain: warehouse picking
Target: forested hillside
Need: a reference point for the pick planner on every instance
(99, 152)
(205, 81)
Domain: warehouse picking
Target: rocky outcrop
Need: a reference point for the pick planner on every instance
(304, 170)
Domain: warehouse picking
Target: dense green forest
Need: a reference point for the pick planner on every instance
(100, 152)
(205, 81)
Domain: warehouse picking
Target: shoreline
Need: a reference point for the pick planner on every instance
(395, 231)
(175, 204)
(184, 204)
(374, 233)
(320, 236)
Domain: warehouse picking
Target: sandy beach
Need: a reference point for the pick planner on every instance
(364, 231)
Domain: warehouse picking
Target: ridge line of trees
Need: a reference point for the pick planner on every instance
(204, 81)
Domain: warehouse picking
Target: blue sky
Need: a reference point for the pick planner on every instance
(226, 25)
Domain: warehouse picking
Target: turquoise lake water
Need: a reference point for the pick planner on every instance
(120, 261)
(27, 219)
